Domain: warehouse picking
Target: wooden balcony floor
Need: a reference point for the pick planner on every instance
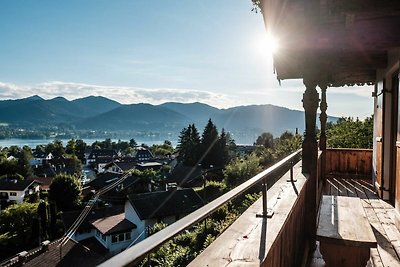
(381, 216)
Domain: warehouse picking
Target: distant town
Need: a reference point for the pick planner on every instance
(110, 195)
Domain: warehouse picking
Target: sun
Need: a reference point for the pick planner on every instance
(271, 43)
(266, 44)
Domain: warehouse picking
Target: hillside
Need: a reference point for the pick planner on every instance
(138, 117)
(102, 114)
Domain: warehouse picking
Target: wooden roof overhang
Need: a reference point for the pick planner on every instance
(341, 44)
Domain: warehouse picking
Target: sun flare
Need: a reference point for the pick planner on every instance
(271, 43)
(266, 44)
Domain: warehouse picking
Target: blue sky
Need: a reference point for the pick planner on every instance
(148, 51)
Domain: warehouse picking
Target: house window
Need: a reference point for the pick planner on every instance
(128, 236)
(97, 232)
(13, 194)
(121, 237)
(104, 237)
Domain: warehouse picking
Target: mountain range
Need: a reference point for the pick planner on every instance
(100, 113)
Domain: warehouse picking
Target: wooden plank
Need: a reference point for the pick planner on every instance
(359, 190)
(341, 189)
(343, 221)
(333, 189)
(375, 258)
(384, 229)
(351, 191)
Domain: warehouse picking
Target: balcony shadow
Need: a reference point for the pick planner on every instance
(295, 188)
(384, 243)
(263, 240)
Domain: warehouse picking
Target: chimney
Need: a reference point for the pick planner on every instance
(22, 256)
(45, 245)
(171, 187)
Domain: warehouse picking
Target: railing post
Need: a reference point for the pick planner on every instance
(266, 213)
(291, 178)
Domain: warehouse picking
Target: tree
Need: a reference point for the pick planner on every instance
(132, 143)
(40, 149)
(189, 146)
(80, 147)
(53, 220)
(350, 133)
(240, 170)
(209, 139)
(287, 143)
(65, 191)
(162, 150)
(14, 151)
(266, 140)
(56, 148)
(70, 148)
(24, 167)
(225, 149)
(18, 220)
(43, 218)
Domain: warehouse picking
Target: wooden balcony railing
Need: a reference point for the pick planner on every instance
(349, 162)
(134, 254)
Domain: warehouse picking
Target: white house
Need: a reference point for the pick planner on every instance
(119, 167)
(143, 154)
(119, 227)
(40, 158)
(107, 225)
(13, 190)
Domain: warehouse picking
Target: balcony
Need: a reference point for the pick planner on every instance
(285, 239)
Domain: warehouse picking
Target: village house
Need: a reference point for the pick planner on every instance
(39, 158)
(107, 226)
(13, 190)
(142, 154)
(117, 227)
(119, 166)
(131, 184)
(144, 210)
(99, 158)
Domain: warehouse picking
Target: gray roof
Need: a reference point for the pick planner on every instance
(165, 203)
(15, 185)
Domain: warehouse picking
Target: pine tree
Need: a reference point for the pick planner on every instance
(194, 149)
(209, 141)
(189, 146)
(183, 143)
(43, 218)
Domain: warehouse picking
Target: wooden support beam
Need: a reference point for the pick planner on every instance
(322, 138)
(323, 117)
(310, 154)
(310, 146)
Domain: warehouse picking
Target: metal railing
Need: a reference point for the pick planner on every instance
(137, 252)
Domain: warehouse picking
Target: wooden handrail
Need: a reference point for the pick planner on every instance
(139, 251)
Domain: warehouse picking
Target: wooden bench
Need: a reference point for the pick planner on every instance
(344, 232)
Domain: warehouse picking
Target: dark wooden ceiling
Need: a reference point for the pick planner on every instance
(345, 42)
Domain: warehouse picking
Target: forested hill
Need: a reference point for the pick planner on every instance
(100, 113)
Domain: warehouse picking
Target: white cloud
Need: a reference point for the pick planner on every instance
(122, 94)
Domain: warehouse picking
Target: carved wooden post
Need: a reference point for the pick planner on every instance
(310, 145)
(322, 138)
(310, 152)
